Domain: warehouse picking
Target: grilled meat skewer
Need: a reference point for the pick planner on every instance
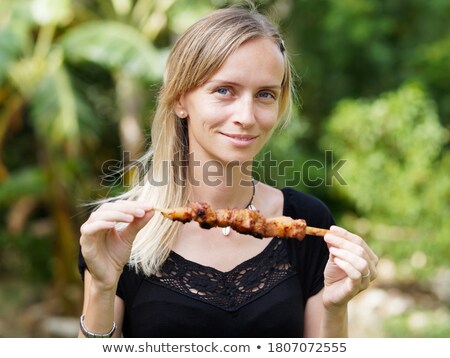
(244, 221)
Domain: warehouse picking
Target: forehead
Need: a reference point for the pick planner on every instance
(258, 62)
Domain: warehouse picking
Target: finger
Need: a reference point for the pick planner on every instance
(94, 228)
(130, 232)
(360, 264)
(334, 240)
(344, 244)
(128, 206)
(339, 231)
(349, 270)
(352, 243)
(356, 283)
(373, 258)
(112, 216)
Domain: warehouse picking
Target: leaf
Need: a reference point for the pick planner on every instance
(13, 43)
(51, 11)
(25, 182)
(393, 146)
(115, 46)
(60, 113)
(54, 109)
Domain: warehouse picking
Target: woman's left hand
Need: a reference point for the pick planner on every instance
(350, 268)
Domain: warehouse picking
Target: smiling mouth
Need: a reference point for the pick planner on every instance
(242, 137)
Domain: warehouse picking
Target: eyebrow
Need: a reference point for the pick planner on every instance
(226, 82)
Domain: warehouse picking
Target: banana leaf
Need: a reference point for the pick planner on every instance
(115, 46)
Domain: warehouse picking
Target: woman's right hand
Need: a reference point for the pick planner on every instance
(107, 249)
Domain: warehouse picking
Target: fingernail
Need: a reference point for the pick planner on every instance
(337, 229)
(139, 212)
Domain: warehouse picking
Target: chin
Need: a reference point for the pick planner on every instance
(236, 159)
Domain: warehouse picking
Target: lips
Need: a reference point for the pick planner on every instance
(240, 140)
(242, 137)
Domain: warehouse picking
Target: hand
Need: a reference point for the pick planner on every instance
(350, 268)
(105, 248)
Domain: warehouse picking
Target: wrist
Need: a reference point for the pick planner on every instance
(100, 290)
(104, 285)
(335, 321)
(336, 310)
(88, 334)
(98, 317)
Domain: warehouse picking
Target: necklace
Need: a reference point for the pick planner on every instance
(226, 230)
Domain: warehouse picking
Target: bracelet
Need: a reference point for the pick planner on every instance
(89, 334)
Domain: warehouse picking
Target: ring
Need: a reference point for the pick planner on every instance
(366, 275)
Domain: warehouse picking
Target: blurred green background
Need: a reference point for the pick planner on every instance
(78, 81)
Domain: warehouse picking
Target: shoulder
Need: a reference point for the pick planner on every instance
(300, 205)
(274, 202)
(297, 200)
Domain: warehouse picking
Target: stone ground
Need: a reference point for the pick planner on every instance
(410, 308)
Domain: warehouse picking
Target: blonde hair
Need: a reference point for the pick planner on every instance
(195, 57)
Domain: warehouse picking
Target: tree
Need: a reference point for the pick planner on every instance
(73, 83)
(396, 169)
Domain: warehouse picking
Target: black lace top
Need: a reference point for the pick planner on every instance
(264, 296)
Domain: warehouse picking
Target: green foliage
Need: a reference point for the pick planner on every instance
(10, 50)
(26, 254)
(392, 146)
(27, 182)
(70, 72)
(396, 170)
(116, 46)
(351, 48)
(375, 89)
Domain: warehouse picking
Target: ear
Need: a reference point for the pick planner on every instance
(180, 108)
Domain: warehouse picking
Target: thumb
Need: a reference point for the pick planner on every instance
(130, 232)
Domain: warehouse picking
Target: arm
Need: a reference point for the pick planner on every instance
(324, 323)
(106, 250)
(101, 308)
(350, 269)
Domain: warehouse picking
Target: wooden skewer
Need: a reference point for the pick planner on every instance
(309, 230)
(315, 231)
(164, 211)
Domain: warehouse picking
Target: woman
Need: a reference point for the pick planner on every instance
(227, 86)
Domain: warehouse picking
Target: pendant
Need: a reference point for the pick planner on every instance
(226, 230)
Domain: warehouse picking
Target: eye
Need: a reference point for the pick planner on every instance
(223, 91)
(266, 95)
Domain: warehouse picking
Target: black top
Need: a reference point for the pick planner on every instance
(264, 296)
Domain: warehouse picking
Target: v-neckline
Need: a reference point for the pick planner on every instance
(237, 267)
(246, 261)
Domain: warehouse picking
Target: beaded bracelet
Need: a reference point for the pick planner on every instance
(89, 334)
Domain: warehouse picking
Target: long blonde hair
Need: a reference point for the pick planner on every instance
(195, 57)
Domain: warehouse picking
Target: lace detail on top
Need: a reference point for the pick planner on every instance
(232, 289)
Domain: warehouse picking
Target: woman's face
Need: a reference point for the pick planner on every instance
(231, 116)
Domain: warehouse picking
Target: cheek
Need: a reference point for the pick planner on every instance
(205, 121)
(214, 117)
(269, 118)
(205, 111)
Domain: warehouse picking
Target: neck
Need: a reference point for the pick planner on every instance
(221, 186)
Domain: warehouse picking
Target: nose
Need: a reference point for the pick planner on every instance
(245, 113)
